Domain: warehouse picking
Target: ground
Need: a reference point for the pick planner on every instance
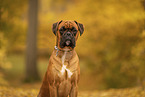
(22, 92)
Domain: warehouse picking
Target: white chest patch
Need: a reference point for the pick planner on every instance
(63, 69)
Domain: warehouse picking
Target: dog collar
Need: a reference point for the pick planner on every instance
(56, 48)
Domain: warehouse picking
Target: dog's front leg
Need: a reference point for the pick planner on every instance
(53, 91)
(74, 91)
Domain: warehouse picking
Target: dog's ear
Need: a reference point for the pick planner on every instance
(80, 27)
(55, 27)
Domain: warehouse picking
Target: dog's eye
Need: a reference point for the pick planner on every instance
(75, 33)
(61, 30)
(74, 30)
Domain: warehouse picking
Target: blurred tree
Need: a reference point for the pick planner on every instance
(31, 52)
(111, 38)
(12, 23)
(9, 14)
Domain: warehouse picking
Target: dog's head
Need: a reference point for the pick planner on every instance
(67, 33)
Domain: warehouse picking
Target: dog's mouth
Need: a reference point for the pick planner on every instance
(67, 43)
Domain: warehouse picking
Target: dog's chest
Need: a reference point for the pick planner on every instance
(65, 70)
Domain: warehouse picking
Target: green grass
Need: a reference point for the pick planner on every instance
(16, 74)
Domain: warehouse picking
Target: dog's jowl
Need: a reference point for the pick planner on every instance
(62, 75)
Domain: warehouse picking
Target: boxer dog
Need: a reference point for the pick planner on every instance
(62, 75)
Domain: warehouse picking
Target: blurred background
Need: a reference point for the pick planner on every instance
(111, 49)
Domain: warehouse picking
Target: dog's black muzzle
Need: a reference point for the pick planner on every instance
(68, 40)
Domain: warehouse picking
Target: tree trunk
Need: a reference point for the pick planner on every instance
(31, 51)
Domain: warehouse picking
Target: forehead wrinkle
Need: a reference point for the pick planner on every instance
(68, 24)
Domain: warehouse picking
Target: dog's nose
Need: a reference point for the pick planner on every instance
(68, 33)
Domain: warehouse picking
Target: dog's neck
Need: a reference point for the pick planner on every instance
(65, 54)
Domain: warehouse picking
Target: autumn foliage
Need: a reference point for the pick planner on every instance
(111, 50)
